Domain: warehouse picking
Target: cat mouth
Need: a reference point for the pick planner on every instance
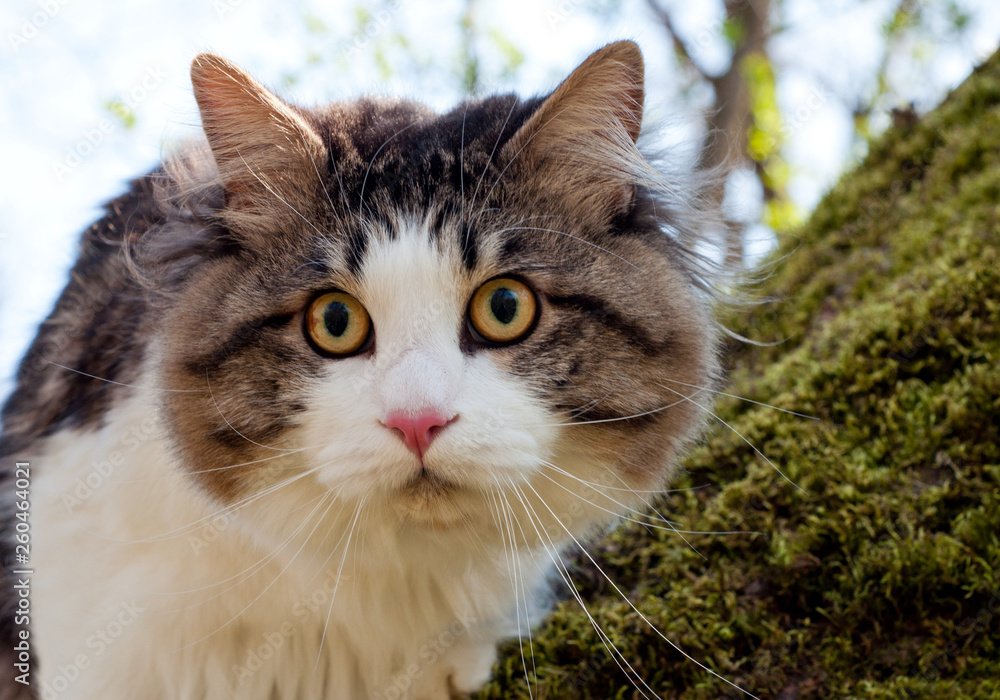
(432, 500)
(428, 484)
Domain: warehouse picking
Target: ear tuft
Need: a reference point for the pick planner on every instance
(264, 149)
(583, 135)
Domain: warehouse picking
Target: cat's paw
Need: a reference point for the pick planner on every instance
(463, 670)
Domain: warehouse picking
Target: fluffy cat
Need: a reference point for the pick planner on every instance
(326, 395)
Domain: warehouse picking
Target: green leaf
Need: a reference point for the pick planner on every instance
(121, 111)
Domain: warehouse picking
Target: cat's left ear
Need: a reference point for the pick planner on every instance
(265, 151)
(581, 141)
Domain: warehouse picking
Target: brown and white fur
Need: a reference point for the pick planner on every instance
(220, 511)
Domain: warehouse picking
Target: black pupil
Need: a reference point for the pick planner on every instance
(336, 317)
(503, 304)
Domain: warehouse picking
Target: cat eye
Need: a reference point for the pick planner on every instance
(338, 324)
(503, 310)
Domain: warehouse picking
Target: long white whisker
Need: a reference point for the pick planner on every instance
(613, 651)
(192, 526)
(743, 398)
(596, 486)
(336, 586)
(523, 220)
(576, 238)
(333, 550)
(273, 581)
(630, 603)
(364, 182)
(531, 646)
(248, 572)
(613, 420)
(277, 196)
(738, 433)
(178, 474)
(670, 524)
(681, 533)
(514, 571)
(475, 193)
(208, 381)
(130, 386)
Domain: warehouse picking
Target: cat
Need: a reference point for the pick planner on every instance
(328, 392)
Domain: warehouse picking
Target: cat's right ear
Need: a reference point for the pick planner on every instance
(266, 153)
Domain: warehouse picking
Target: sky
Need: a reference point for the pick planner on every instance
(63, 62)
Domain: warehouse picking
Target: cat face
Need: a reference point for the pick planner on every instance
(420, 310)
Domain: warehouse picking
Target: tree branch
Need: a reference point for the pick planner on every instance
(679, 46)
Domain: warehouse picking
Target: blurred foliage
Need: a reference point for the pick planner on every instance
(315, 24)
(734, 31)
(122, 112)
(512, 55)
(765, 140)
(469, 59)
(913, 31)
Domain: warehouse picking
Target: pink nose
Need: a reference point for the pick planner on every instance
(418, 431)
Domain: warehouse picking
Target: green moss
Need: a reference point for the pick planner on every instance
(881, 579)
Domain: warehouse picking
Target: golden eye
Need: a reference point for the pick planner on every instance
(503, 310)
(338, 323)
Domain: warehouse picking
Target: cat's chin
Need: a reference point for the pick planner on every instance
(433, 501)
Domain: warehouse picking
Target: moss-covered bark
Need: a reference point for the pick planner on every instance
(882, 578)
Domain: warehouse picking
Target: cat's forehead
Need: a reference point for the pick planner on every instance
(399, 177)
(401, 152)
